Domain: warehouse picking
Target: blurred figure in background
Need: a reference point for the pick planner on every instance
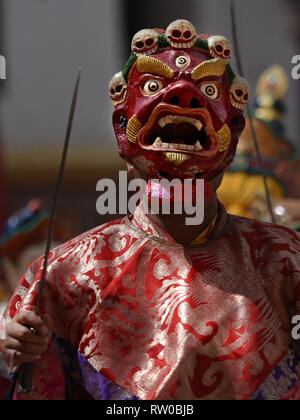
(242, 190)
(22, 241)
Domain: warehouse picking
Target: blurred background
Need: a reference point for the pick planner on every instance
(45, 41)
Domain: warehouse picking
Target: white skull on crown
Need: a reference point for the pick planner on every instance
(117, 89)
(145, 42)
(220, 47)
(181, 34)
(239, 93)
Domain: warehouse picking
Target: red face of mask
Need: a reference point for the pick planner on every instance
(178, 115)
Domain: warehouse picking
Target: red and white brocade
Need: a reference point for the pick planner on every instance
(166, 322)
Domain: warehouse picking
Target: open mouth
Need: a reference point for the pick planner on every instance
(182, 131)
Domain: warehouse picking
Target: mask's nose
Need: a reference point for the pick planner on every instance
(185, 95)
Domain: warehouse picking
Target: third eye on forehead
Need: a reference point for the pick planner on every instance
(182, 61)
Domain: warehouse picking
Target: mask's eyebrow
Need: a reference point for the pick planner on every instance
(215, 67)
(152, 65)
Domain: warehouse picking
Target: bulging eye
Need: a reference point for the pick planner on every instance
(211, 90)
(151, 87)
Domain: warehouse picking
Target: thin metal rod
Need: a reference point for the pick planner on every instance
(25, 373)
(249, 112)
(57, 190)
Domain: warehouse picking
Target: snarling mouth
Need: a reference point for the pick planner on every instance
(180, 132)
(173, 129)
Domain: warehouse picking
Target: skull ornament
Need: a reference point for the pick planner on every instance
(117, 89)
(144, 42)
(220, 47)
(181, 34)
(239, 93)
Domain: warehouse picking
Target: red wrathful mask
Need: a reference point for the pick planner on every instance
(178, 105)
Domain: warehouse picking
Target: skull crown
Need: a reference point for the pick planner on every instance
(180, 34)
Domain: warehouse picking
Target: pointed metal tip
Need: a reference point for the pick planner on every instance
(79, 71)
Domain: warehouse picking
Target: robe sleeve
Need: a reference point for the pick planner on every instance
(61, 301)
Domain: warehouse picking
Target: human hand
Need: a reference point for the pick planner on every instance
(27, 339)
